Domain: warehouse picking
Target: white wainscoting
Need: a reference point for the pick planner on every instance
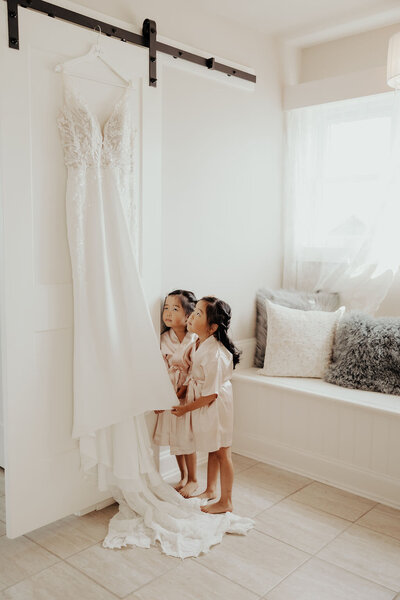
(346, 438)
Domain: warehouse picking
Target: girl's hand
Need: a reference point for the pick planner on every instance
(157, 412)
(181, 393)
(179, 410)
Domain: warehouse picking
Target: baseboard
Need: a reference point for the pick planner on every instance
(97, 506)
(369, 484)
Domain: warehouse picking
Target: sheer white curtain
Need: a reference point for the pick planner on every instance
(342, 198)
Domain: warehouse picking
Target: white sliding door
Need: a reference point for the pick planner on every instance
(43, 480)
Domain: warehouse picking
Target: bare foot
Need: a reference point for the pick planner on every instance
(189, 489)
(208, 495)
(217, 508)
(181, 484)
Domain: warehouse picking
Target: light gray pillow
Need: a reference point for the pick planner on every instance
(325, 301)
(299, 342)
(366, 354)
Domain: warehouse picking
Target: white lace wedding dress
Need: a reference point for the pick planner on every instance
(119, 373)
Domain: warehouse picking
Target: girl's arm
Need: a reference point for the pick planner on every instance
(181, 409)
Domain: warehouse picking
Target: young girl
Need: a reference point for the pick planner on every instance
(176, 346)
(209, 396)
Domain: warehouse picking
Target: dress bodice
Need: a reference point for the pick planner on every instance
(84, 142)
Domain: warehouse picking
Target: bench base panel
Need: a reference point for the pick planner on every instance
(349, 446)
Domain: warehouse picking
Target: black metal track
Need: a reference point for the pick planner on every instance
(147, 40)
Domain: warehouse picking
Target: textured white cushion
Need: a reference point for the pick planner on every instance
(299, 343)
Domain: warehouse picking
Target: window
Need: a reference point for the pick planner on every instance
(339, 156)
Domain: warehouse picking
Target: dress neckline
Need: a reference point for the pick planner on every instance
(68, 86)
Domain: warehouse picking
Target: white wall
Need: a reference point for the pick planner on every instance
(221, 161)
(347, 55)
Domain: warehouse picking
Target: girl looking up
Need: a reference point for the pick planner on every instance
(209, 396)
(176, 344)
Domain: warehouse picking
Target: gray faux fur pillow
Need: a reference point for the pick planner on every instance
(291, 299)
(366, 354)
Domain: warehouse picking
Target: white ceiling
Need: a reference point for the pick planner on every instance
(294, 17)
(300, 22)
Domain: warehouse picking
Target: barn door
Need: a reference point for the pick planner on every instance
(43, 480)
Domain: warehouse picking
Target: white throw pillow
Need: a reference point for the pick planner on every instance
(299, 342)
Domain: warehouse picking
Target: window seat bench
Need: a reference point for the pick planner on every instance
(342, 437)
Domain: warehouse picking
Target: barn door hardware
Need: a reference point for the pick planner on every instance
(148, 39)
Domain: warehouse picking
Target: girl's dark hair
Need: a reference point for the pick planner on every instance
(188, 301)
(219, 313)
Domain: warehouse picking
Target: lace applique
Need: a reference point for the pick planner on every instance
(81, 136)
(118, 145)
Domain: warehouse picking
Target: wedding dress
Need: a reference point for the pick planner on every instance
(119, 372)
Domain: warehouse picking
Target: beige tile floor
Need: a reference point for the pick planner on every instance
(310, 542)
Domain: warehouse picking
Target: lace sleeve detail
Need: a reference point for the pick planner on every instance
(80, 136)
(68, 140)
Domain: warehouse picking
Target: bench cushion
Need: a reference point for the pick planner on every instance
(317, 387)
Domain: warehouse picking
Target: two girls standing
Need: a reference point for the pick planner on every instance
(203, 421)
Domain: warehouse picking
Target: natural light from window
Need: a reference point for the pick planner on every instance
(340, 163)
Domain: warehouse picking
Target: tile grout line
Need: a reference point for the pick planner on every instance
(60, 558)
(245, 469)
(288, 575)
(132, 591)
(392, 537)
(63, 557)
(29, 576)
(155, 579)
(227, 578)
(357, 575)
(281, 499)
(368, 510)
(285, 498)
(308, 506)
(91, 579)
(326, 511)
(350, 524)
(286, 543)
(341, 567)
(64, 560)
(314, 555)
(181, 562)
